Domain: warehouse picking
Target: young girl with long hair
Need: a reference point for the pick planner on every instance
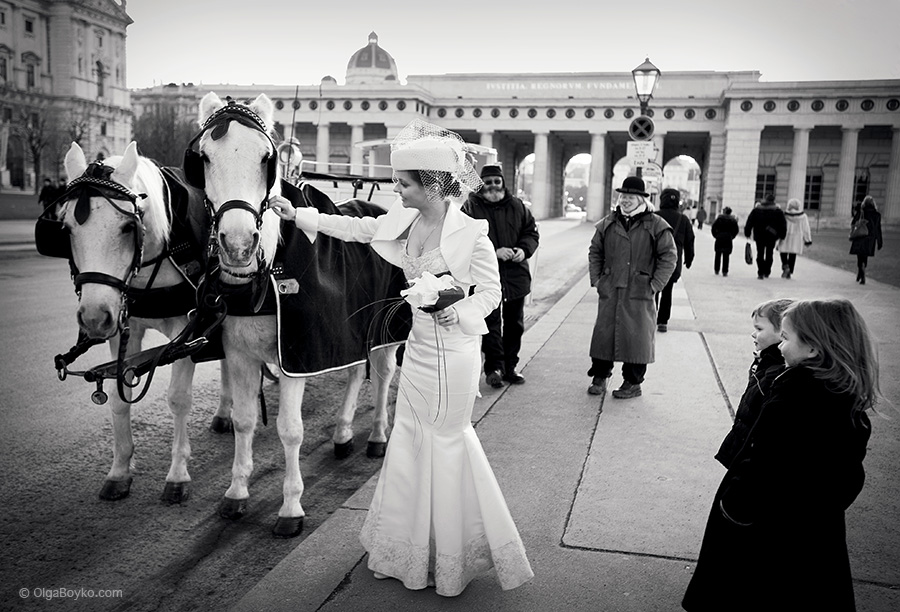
(776, 537)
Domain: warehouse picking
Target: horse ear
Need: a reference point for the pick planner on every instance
(76, 164)
(263, 107)
(208, 105)
(127, 168)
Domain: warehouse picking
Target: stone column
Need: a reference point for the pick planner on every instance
(891, 208)
(540, 183)
(797, 180)
(843, 197)
(741, 157)
(356, 153)
(323, 147)
(487, 139)
(596, 191)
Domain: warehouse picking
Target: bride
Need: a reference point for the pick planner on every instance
(438, 517)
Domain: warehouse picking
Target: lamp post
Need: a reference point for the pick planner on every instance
(645, 78)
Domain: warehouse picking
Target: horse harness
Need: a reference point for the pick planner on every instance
(194, 173)
(52, 239)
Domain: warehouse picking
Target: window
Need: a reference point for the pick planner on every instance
(812, 193)
(2, 19)
(860, 185)
(3, 67)
(103, 128)
(29, 26)
(765, 183)
(7, 114)
(100, 78)
(99, 41)
(29, 76)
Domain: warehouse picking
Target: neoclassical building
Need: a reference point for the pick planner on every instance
(62, 78)
(826, 143)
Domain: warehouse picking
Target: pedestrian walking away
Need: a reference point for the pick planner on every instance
(437, 517)
(724, 230)
(864, 246)
(701, 217)
(766, 225)
(797, 236)
(514, 234)
(776, 534)
(631, 257)
(684, 243)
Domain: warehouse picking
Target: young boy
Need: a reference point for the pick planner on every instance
(767, 364)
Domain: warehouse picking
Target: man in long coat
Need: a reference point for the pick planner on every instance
(631, 257)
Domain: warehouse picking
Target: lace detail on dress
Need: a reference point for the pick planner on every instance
(452, 572)
(429, 261)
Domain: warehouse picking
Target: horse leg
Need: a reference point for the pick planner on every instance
(221, 422)
(118, 481)
(384, 364)
(290, 430)
(343, 427)
(243, 376)
(178, 480)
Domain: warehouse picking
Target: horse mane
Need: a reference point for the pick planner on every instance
(149, 180)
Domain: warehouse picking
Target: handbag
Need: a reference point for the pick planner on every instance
(748, 254)
(859, 229)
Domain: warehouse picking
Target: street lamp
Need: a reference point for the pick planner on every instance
(645, 78)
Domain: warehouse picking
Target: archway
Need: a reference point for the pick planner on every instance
(683, 173)
(576, 177)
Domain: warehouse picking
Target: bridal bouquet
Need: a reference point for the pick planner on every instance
(430, 293)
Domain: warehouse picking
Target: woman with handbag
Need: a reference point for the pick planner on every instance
(863, 243)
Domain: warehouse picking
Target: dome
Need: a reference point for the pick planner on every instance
(371, 64)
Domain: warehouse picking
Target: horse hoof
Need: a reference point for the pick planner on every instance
(221, 425)
(344, 449)
(176, 492)
(288, 527)
(114, 490)
(374, 450)
(232, 509)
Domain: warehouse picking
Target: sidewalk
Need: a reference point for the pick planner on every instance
(16, 235)
(611, 503)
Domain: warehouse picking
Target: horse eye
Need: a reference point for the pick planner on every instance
(128, 228)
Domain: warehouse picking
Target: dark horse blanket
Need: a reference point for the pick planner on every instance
(336, 300)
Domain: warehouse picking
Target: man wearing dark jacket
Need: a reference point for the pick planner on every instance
(767, 224)
(514, 234)
(724, 229)
(669, 200)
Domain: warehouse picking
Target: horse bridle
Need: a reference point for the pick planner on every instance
(96, 182)
(194, 171)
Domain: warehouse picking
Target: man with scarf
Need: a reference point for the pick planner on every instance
(514, 234)
(631, 258)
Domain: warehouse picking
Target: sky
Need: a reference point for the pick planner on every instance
(297, 42)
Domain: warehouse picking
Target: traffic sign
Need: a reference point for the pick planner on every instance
(641, 152)
(641, 128)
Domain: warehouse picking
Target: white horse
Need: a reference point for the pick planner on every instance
(106, 239)
(236, 166)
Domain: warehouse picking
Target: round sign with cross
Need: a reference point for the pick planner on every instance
(641, 128)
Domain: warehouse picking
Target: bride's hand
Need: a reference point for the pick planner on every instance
(446, 317)
(282, 207)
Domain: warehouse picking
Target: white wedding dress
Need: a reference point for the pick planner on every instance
(437, 506)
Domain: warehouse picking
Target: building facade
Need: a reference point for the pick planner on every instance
(62, 79)
(826, 143)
